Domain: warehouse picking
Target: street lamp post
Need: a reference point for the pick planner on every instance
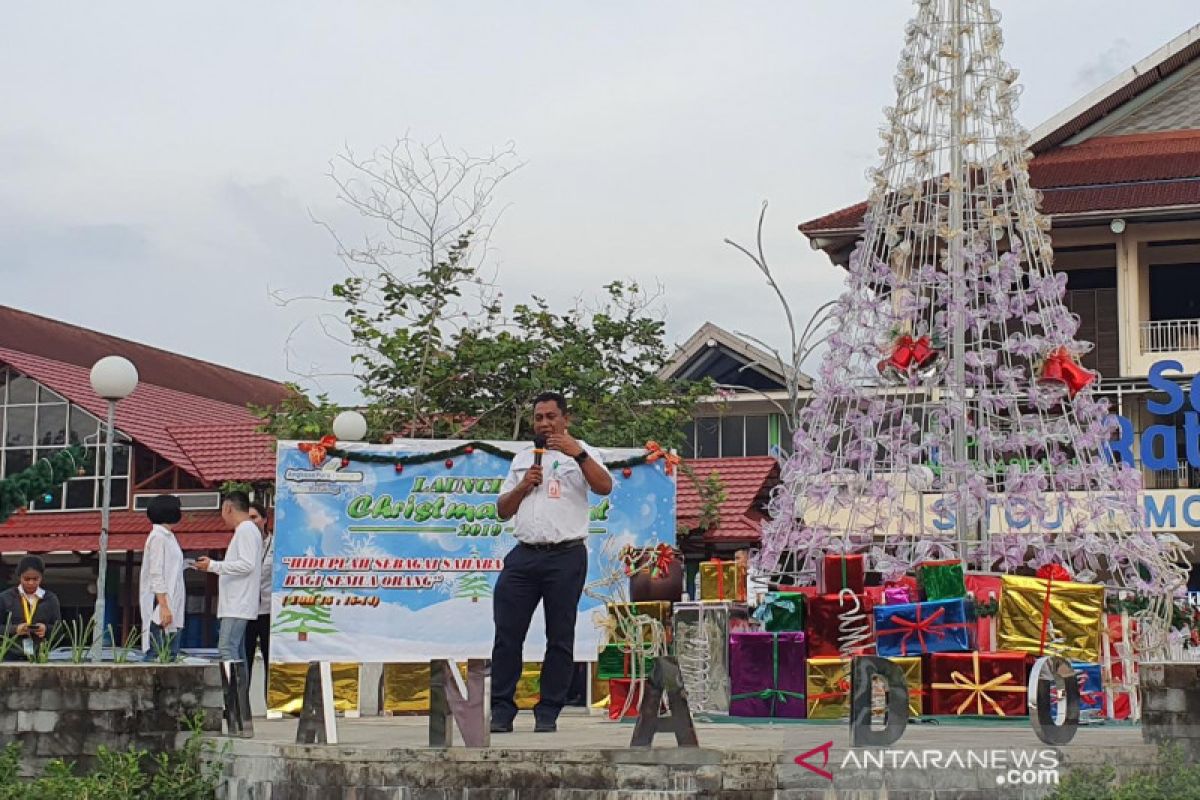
(113, 378)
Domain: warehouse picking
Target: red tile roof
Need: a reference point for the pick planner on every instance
(233, 452)
(1109, 173)
(146, 415)
(70, 344)
(79, 531)
(745, 481)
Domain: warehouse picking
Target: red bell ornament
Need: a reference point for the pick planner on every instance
(902, 357)
(1061, 368)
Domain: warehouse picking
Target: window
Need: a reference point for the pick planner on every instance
(731, 436)
(37, 423)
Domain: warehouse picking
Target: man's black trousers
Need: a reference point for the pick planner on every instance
(554, 577)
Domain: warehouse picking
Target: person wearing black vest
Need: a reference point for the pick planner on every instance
(28, 611)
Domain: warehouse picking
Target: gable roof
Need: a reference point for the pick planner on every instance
(1086, 163)
(728, 359)
(146, 416)
(70, 344)
(747, 483)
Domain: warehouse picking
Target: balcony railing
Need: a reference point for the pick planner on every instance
(1170, 335)
(1182, 477)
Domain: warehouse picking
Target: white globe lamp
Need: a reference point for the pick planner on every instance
(350, 426)
(114, 378)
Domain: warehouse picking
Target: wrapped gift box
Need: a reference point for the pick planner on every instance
(839, 625)
(984, 593)
(616, 661)
(837, 572)
(619, 697)
(722, 580)
(911, 667)
(941, 580)
(285, 687)
(767, 674)
(656, 575)
(988, 684)
(938, 626)
(781, 611)
(1091, 691)
(1045, 616)
(828, 688)
(406, 687)
(702, 632)
(624, 623)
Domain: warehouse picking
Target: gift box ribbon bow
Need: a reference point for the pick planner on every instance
(318, 450)
(833, 687)
(977, 689)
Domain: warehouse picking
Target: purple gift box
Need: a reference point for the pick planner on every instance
(768, 674)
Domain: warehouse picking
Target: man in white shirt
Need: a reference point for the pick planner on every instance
(546, 492)
(239, 577)
(162, 594)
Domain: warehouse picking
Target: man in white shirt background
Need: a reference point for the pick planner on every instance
(162, 594)
(238, 583)
(546, 492)
(258, 632)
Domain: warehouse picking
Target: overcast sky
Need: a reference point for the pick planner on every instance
(159, 165)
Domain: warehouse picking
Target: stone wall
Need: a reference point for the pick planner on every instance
(70, 710)
(1171, 703)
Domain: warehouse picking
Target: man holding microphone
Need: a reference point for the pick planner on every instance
(547, 492)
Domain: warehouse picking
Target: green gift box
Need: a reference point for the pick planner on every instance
(941, 580)
(781, 611)
(615, 662)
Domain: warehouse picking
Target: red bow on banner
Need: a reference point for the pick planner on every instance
(664, 554)
(317, 450)
(654, 452)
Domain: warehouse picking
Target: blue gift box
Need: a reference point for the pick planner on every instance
(1091, 690)
(934, 626)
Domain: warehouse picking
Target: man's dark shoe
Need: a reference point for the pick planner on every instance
(545, 726)
(500, 726)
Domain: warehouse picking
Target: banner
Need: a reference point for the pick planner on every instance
(379, 562)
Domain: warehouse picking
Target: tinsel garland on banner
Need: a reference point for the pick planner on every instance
(466, 448)
(18, 491)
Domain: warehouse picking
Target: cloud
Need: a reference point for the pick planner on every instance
(1105, 65)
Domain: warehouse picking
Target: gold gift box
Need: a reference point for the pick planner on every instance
(723, 577)
(829, 688)
(285, 687)
(911, 667)
(621, 616)
(1070, 630)
(406, 687)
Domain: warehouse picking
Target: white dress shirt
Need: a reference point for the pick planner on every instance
(162, 573)
(264, 584)
(240, 573)
(542, 518)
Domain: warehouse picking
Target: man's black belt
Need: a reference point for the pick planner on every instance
(569, 543)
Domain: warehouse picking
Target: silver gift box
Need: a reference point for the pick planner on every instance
(701, 635)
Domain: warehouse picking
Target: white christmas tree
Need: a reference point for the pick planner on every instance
(952, 391)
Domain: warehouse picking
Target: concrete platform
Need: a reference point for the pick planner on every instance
(589, 757)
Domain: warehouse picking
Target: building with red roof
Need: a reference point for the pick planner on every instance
(186, 429)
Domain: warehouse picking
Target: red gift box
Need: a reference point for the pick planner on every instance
(839, 625)
(618, 693)
(837, 572)
(991, 684)
(982, 589)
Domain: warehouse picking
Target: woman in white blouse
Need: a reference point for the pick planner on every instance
(162, 592)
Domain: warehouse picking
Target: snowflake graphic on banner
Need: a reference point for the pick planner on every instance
(951, 416)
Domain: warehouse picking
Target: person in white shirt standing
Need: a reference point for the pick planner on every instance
(162, 594)
(239, 573)
(546, 491)
(258, 632)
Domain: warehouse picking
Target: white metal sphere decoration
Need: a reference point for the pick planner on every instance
(349, 426)
(114, 377)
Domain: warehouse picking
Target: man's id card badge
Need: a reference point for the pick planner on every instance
(554, 488)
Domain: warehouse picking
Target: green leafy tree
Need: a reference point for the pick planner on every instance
(436, 352)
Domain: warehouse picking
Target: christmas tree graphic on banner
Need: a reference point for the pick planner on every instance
(951, 417)
(305, 617)
(474, 585)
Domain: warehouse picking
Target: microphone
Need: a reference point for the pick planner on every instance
(539, 449)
